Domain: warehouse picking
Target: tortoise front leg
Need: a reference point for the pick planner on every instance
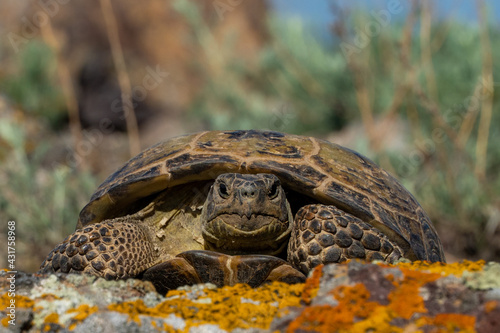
(113, 250)
(324, 234)
(200, 266)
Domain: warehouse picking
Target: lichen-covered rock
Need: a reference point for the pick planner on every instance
(408, 297)
(350, 297)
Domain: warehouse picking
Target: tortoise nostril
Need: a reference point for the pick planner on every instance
(248, 192)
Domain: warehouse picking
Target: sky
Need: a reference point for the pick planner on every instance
(319, 12)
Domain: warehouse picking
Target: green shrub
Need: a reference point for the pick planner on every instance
(44, 200)
(33, 84)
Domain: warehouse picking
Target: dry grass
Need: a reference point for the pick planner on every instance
(123, 78)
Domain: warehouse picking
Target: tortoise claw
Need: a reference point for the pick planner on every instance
(171, 274)
(199, 266)
(286, 273)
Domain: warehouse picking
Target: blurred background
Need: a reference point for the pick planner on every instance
(86, 85)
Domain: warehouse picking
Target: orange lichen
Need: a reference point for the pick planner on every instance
(353, 304)
(133, 309)
(490, 306)
(82, 312)
(229, 307)
(5, 321)
(354, 299)
(52, 318)
(449, 322)
(405, 299)
(311, 286)
(456, 268)
(355, 312)
(20, 301)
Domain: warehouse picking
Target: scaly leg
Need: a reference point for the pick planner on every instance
(325, 234)
(113, 250)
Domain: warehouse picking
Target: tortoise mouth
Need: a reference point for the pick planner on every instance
(235, 234)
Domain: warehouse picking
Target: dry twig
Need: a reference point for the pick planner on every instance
(68, 90)
(123, 78)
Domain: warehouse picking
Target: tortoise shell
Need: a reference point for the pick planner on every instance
(316, 169)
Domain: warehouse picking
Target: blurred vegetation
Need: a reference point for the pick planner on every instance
(44, 200)
(34, 86)
(293, 85)
(436, 79)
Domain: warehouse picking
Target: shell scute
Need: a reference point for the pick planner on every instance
(347, 200)
(289, 152)
(190, 165)
(295, 175)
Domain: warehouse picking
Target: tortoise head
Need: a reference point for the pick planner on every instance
(246, 214)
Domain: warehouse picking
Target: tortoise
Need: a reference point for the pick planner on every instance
(243, 207)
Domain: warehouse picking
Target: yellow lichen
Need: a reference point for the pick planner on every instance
(52, 318)
(133, 309)
(5, 321)
(20, 301)
(229, 307)
(456, 268)
(378, 321)
(82, 312)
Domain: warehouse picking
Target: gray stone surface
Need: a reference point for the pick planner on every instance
(471, 295)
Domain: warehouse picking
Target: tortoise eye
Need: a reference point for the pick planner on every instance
(273, 191)
(223, 192)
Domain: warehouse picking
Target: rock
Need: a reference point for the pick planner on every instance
(349, 297)
(408, 297)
